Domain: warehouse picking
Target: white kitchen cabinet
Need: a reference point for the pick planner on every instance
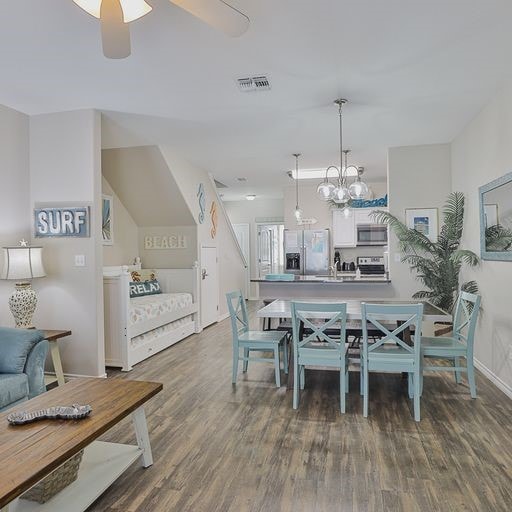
(363, 215)
(344, 229)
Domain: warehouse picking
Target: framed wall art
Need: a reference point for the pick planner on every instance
(424, 220)
(107, 220)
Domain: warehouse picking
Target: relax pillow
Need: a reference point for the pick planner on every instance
(140, 289)
(15, 346)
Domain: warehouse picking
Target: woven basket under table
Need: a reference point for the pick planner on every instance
(48, 487)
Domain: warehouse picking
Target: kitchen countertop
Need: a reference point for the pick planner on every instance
(342, 279)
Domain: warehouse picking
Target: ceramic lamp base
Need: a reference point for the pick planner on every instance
(22, 303)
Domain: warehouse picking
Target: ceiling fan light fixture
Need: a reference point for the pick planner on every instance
(132, 9)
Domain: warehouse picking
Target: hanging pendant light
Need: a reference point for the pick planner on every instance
(298, 212)
(359, 189)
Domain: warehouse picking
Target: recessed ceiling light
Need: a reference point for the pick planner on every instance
(250, 197)
(242, 179)
(310, 174)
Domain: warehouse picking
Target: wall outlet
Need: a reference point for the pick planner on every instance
(79, 260)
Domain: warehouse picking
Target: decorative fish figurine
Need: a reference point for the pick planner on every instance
(75, 412)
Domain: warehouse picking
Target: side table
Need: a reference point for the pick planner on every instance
(52, 337)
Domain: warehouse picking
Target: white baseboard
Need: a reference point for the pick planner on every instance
(223, 317)
(494, 378)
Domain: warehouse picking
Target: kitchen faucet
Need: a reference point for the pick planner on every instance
(333, 270)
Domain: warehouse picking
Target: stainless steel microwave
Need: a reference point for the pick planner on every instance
(372, 234)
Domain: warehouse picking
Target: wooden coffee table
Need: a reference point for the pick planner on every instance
(29, 453)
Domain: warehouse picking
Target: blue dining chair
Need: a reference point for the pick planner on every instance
(460, 345)
(261, 341)
(319, 340)
(390, 353)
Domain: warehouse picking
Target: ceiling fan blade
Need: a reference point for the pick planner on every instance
(115, 33)
(218, 14)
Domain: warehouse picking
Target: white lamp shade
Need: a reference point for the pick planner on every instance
(22, 263)
(132, 9)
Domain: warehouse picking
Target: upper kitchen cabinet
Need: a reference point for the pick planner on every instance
(357, 227)
(344, 228)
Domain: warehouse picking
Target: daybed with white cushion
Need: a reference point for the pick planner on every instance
(137, 328)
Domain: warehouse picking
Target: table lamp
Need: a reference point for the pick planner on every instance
(21, 264)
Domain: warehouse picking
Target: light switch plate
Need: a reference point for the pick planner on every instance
(79, 260)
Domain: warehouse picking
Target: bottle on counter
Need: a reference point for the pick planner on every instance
(358, 273)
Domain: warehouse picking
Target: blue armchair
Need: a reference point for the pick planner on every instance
(22, 357)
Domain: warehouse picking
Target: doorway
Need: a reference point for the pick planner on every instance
(270, 249)
(209, 286)
(243, 236)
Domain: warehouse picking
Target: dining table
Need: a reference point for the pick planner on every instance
(280, 309)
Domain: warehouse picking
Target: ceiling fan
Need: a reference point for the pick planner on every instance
(115, 16)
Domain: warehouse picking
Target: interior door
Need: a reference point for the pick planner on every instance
(265, 250)
(209, 286)
(242, 235)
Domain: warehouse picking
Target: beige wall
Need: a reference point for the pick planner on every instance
(418, 177)
(188, 178)
(169, 258)
(248, 212)
(126, 237)
(65, 169)
(480, 154)
(15, 209)
(140, 177)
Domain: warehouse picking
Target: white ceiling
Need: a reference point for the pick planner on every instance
(415, 72)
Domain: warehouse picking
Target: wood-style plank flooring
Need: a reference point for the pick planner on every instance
(221, 448)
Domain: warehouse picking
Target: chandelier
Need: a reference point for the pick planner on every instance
(340, 192)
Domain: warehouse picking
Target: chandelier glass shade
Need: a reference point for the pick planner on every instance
(359, 189)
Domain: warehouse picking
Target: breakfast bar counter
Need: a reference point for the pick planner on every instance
(325, 286)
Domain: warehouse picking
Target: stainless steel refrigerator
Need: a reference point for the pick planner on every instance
(307, 252)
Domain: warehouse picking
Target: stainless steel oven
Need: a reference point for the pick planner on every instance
(372, 234)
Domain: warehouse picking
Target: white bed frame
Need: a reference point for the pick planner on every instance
(118, 331)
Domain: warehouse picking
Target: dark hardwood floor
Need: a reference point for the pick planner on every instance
(221, 448)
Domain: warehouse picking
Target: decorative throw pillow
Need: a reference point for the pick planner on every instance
(140, 289)
(139, 276)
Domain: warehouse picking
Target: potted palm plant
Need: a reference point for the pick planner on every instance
(436, 264)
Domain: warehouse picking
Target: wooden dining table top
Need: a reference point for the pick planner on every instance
(281, 308)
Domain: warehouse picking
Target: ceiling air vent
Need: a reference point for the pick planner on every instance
(255, 83)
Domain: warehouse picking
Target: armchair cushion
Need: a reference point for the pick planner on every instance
(13, 388)
(15, 345)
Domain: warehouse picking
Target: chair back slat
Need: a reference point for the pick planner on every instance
(319, 318)
(465, 318)
(409, 314)
(238, 313)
